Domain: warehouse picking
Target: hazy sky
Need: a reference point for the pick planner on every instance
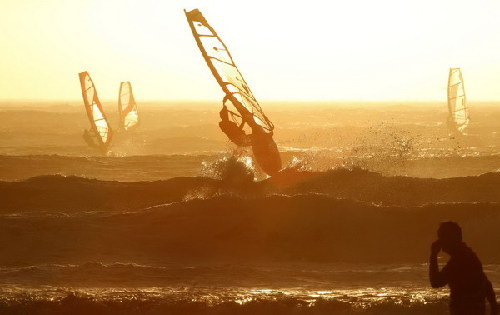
(287, 50)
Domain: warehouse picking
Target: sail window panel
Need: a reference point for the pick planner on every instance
(125, 94)
(452, 101)
(103, 133)
(260, 122)
(230, 74)
(215, 49)
(131, 119)
(459, 107)
(100, 122)
(124, 101)
(453, 106)
(454, 78)
(460, 117)
(459, 89)
(453, 91)
(231, 88)
(460, 104)
(250, 102)
(90, 94)
(245, 102)
(96, 113)
(234, 79)
(253, 107)
(88, 83)
(202, 29)
(89, 89)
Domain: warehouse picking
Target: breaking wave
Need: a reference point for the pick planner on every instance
(73, 194)
(396, 159)
(308, 227)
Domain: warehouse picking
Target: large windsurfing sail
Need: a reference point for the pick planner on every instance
(237, 92)
(221, 63)
(458, 118)
(100, 132)
(127, 107)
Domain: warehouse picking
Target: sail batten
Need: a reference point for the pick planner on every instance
(127, 107)
(458, 110)
(101, 132)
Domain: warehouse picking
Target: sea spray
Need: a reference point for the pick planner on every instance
(235, 176)
(232, 171)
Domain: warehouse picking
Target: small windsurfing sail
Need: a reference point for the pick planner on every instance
(127, 107)
(458, 118)
(225, 71)
(100, 133)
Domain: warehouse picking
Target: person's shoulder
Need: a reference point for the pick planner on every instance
(462, 253)
(466, 250)
(469, 255)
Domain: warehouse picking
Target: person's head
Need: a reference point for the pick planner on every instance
(450, 235)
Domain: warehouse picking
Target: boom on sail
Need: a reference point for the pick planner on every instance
(458, 118)
(127, 107)
(247, 109)
(100, 133)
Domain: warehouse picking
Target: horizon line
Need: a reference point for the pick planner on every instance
(46, 100)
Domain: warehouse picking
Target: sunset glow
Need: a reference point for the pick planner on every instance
(318, 50)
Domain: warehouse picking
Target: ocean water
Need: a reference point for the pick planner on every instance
(216, 300)
(170, 223)
(176, 139)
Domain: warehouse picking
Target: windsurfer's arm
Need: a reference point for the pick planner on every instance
(224, 113)
(437, 278)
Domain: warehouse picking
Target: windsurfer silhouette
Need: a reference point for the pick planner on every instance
(469, 286)
(263, 146)
(234, 132)
(91, 139)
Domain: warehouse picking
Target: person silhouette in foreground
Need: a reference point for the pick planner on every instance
(469, 286)
(234, 132)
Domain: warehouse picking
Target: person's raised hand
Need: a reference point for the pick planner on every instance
(435, 247)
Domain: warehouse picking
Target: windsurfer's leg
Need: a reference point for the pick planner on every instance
(266, 152)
